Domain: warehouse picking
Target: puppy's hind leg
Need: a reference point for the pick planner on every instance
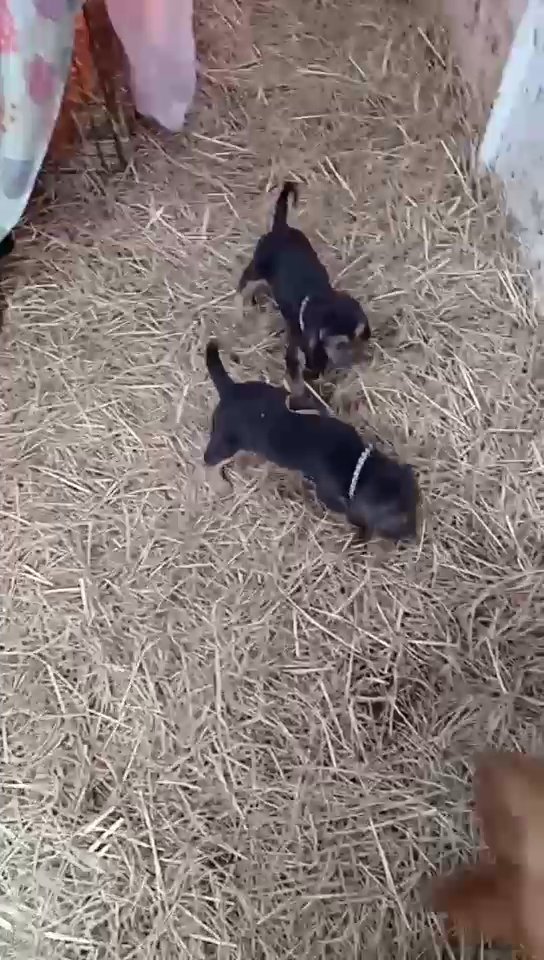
(249, 276)
(221, 447)
(249, 284)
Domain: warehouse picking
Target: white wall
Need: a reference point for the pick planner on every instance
(513, 145)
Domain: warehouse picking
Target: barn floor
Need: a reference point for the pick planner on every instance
(229, 730)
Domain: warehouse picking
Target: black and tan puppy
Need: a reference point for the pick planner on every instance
(323, 324)
(375, 493)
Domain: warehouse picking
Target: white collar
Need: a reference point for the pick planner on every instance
(302, 311)
(357, 472)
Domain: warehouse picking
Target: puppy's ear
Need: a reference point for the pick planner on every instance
(509, 799)
(481, 901)
(362, 330)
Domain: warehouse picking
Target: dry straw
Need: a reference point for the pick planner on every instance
(228, 730)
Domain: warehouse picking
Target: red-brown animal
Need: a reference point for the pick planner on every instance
(501, 898)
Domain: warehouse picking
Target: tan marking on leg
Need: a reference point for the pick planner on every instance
(296, 382)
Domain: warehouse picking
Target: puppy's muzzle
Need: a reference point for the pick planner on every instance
(342, 356)
(406, 527)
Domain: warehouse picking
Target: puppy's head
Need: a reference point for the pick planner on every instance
(385, 499)
(338, 329)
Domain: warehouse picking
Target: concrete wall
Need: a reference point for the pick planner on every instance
(481, 33)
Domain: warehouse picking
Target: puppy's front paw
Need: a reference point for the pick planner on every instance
(362, 535)
(218, 480)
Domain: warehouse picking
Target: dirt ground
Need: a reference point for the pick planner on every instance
(228, 730)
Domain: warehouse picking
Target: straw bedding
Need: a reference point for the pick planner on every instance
(227, 730)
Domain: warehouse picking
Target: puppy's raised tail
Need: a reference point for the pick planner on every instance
(289, 189)
(221, 379)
